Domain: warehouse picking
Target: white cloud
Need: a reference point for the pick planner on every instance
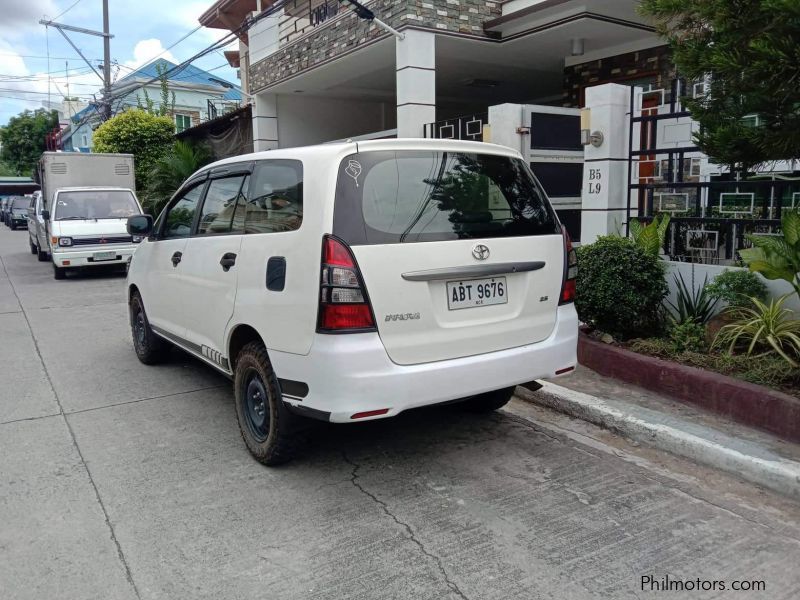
(146, 50)
(22, 15)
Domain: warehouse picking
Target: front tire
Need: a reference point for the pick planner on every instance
(33, 248)
(42, 256)
(59, 272)
(267, 426)
(150, 349)
(488, 402)
(12, 225)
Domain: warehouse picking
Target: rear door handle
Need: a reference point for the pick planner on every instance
(176, 258)
(227, 261)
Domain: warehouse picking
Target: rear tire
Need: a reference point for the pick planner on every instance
(267, 426)
(42, 256)
(59, 272)
(150, 349)
(488, 402)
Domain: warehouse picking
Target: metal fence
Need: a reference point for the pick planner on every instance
(468, 127)
(301, 16)
(711, 214)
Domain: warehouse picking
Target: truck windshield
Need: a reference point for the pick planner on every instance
(95, 204)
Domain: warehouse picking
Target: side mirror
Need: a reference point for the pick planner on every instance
(46, 214)
(140, 225)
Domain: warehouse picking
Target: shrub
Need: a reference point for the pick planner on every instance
(650, 237)
(619, 287)
(688, 336)
(769, 328)
(735, 288)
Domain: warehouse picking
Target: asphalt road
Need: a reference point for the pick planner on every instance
(120, 481)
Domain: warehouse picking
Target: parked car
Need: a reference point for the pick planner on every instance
(37, 228)
(87, 228)
(349, 282)
(3, 207)
(17, 212)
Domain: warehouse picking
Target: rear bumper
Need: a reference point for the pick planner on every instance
(348, 374)
(85, 256)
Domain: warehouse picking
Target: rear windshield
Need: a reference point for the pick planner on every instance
(19, 203)
(95, 204)
(425, 196)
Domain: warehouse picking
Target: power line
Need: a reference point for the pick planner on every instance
(71, 6)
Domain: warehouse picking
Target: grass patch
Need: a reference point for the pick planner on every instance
(767, 370)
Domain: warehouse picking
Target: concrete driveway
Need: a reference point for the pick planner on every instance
(124, 481)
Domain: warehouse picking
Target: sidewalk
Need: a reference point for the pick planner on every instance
(674, 427)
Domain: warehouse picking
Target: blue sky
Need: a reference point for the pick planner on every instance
(142, 30)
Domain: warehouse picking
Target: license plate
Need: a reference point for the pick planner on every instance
(112, 255)
(476, 292)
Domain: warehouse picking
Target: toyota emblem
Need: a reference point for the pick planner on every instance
(480, 252)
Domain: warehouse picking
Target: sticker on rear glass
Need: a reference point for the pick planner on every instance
(354, 170)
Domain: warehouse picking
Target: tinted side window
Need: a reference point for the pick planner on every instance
(180, 216)
(275, 197)
(219, 206)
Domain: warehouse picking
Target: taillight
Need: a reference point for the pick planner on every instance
(570, 270)
(343, 301)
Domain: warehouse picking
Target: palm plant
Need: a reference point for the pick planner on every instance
(770, 327)
(172, 170)
(777, 257)
(650, 237)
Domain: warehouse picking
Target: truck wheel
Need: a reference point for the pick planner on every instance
(42, 256)
(33, 248)
(59, 272)
(266, 424)
(484, 403)
(150, 349)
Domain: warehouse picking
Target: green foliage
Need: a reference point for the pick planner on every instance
(769, 370)
(619, 287)
(687, 337)
(171, 170)
(6, 169)
(747, 51)
(650, 237)
(148, 137)
(777, 257)
(735, 288)
(24, 139)
(768, 328)
(167, 105)
(695, 305)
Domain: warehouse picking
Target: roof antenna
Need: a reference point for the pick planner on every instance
(364, 13)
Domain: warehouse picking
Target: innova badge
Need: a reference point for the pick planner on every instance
(480, 252)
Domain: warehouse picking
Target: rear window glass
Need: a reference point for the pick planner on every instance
(420, 196)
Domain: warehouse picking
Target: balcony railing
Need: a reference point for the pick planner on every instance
(468, 127)
(301, 16)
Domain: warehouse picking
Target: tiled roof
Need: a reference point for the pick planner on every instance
(187, 74)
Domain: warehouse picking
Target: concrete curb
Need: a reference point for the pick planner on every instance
(701, 444)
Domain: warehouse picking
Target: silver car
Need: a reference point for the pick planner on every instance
(37, 228)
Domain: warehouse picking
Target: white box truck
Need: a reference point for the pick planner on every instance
(85, 204)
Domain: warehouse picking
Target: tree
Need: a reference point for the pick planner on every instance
(148, 137)
(172, 170)
(748, 54)
(24, 139)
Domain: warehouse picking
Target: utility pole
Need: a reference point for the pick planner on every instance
(106, 63)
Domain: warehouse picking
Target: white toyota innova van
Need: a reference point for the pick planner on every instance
(353, 281)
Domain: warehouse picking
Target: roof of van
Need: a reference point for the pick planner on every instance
(332, 150)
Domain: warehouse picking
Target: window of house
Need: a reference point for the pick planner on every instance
(275, 197)
(85, 140)
(182, 122)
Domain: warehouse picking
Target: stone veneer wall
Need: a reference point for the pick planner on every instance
(346, 31)
(624, 68)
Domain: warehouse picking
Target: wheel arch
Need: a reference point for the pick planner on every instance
(241, 335)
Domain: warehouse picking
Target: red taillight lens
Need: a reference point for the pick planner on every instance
(343, 302)
(570, 271)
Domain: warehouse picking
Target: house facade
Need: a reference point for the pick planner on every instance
(199, 96)
(317, 72)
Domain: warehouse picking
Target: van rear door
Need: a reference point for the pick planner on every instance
(461, 253)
